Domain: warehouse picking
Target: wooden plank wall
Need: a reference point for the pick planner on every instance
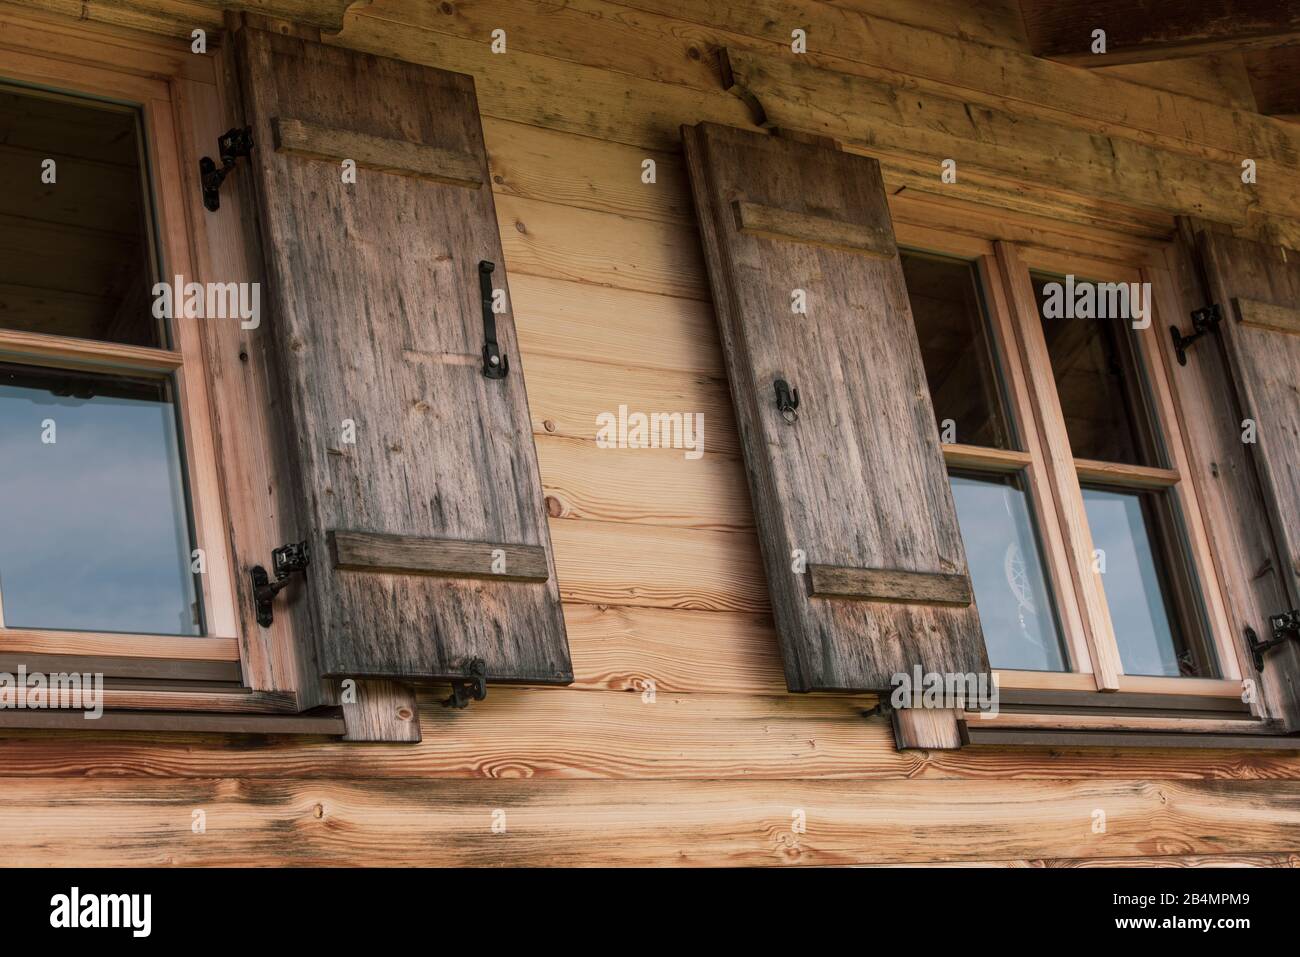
(677, 743)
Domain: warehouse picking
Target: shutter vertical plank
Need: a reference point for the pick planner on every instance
(1258, 289)
(375, 311)
(857, 483)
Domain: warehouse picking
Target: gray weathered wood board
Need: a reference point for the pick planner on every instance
(374, 306)
(1259, 290)
(858, 481)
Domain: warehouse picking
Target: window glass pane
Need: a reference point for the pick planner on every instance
(76, 257)
(1142, 572)
(955, 347)
(1016, 611)
(94, 534)
(1097, 375)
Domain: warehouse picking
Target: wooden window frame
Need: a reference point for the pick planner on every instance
(1005, 249)
(235, 668)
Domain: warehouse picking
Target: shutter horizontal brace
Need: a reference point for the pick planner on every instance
(1265, 315)
(383, 553)
(379, 153)
(775, 223)
(890, 585)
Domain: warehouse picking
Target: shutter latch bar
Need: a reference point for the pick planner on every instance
(495, 365)
(472, 687)
(231, 145)
(1285, 626)
(1203, 320)
(787, 400)
(287, 560)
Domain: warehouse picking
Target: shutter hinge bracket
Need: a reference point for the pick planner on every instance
(787, 400)
(495, 365)
(231, 145)
(472, 687)
(287, 560)
(1285, 626)
(1203, 320)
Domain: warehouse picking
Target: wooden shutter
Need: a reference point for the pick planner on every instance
(428, 537)
(1257, 289)
(856, 483)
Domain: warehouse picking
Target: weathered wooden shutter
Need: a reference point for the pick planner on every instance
(1257, 290)
(421, 497)
(864, 557)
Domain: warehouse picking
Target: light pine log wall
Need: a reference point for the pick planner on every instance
(656, 555)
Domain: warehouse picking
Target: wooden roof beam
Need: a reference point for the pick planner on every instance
(1145, 30)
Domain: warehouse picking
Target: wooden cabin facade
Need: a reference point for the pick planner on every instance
(648, 383)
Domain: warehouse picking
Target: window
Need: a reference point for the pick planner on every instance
(1065, 466)
(994, 508)
(112, 540)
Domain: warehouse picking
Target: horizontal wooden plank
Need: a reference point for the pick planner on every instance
(410, 822)
(775, 223)
(663, 487)
(603, 249)
(644, 732)
(569, 169)
(1266, 315)
(125, 667)
(577, 321)
(558, 408)
(385, 155)
(619, 648)
(413, 555)
(887, 584)
(605, 563)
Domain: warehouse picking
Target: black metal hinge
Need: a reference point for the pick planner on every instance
(231, 145)
(495, 365)
(1203, 320)
(1285, 626)
(287, 560)
(787, 400)
(472, 687)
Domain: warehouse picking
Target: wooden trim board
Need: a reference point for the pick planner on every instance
(413, 555)
(772, 222)
(885, 584)
(378, 153)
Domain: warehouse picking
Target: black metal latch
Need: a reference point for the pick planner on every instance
(1203, 320)
(472, 687)
(495, 365)
(1285, 626)
(231, 145)
(287, 560)
(787, 400)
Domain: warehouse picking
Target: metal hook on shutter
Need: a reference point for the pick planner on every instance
(495, 365)
(787, 400)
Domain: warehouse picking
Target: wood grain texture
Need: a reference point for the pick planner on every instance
(403, 821)
(881, 584)
(380, 153)
(928, 728)
(776, 223)
(1178, 28)
(1263, 360)
(1266, 315)
(411, 555)
(441, 451)
(856, 362)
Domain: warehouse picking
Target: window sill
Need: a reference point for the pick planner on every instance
(326, 722)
